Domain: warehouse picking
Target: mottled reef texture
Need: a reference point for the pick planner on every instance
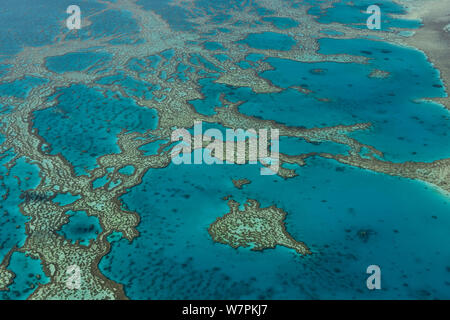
(260, 228)
(174, 110)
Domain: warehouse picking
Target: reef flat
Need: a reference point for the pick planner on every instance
(260, 228)
(434, 37)
(86, 118)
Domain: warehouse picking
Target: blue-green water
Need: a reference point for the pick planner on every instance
(349, 13)
(402, 127)
(127, 170)
(16, 186)
(282, 22)
(76, 61)
(327, 205)
(28, 275)
(152, 147)
(64, 199)
(37, 23)
(81, 227)
(349, 217)
(20, 88)
(293, 146)
(269, 40)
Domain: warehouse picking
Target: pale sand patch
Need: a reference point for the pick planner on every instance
(433, 38)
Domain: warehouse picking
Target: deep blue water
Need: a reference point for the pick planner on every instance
(327, 205)
(84, 124)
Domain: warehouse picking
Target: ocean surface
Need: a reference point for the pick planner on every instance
(349, 217)
(328, 204)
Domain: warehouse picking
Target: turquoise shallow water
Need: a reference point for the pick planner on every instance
(65, 198)
(84, 124)
(37, 23)
(350, 218)
(128, 170)
(28, 273)
(16, 186)
(282, 22)
(76, 61)
(327, 205)
(294, 146)
(269, 40)
(402, 127)
(133, 87)
(80, 227)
